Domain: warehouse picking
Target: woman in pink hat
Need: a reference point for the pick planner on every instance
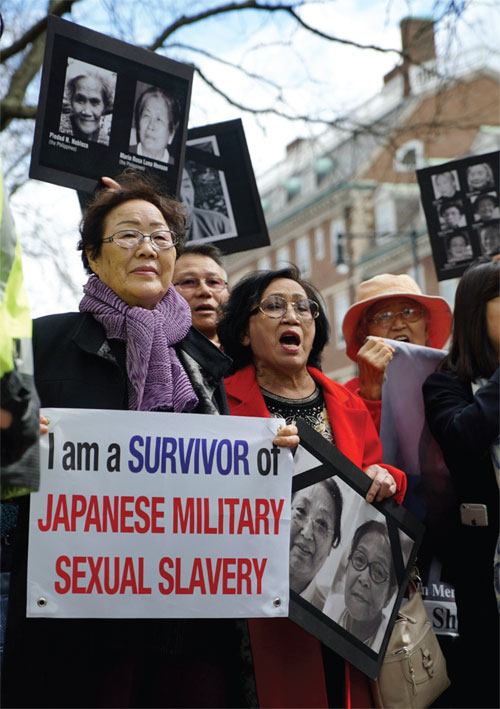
(389, 307)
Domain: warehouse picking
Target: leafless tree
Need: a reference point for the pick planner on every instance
(258, 37)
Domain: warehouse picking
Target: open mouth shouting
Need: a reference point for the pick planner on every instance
(290, 340)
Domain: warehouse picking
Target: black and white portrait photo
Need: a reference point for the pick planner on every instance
(486, 207)
(157, 115)
(480, 177)
(461, 205)
(87, 107)
(451, 214)
(206, 196)
(458, 247)
(445, 184)
(201, 223)
(106, 105)
(489, 237)
(314, 533)
(349, 560)
(361, 600)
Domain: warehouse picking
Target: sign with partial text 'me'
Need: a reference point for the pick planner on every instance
(159, 515)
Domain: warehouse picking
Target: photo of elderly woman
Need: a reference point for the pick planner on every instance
(88, 102)
(369, 586)
(156, 120)
(314, 532)
(490, 239)
(480, 177)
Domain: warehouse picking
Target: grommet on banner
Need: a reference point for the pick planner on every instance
(277, 602)
(42, 602)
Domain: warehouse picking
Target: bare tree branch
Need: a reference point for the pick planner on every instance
(57, 7)
(11, 108)
(21, 79)
(224, 62)
(254, 5)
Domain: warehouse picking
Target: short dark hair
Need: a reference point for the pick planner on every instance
(379, 528)
(471, 353)
(444, 206)
(338, 502)
(106, 88)
(133, 185)
(460, 235)
(204, 250)
(485, 198)
(245, 295)
(172, 103)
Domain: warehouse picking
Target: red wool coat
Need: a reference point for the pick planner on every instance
(287, 660)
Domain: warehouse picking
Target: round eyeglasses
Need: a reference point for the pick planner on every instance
(191, 283)
(131, 238)
(378, 572)
(275, 306)
(387, 317)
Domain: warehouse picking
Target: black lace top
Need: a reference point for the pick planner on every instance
(311, 408)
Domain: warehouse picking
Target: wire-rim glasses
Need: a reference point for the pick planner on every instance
(387, 317)
(275, 306)
(161, 239)
(378, 572)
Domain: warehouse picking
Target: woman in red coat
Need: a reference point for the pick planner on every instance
(274, 328)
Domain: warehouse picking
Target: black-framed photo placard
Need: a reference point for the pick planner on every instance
(349, 560)
(461, 204)
(106, 105)
(219, 189)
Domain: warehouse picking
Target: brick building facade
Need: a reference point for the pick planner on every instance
(347, 208)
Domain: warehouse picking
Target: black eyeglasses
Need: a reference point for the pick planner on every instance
(192, 283)
(131, 238)
(274, 306)
(378, 572)
(387, 317)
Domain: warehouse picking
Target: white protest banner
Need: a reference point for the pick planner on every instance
(156, 515)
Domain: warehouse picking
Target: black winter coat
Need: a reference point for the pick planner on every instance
(117, 663)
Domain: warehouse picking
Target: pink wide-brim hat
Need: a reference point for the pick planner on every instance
(387, 285)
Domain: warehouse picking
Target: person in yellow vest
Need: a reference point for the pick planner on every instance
(19, 412)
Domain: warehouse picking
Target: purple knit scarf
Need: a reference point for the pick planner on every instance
(156, 378)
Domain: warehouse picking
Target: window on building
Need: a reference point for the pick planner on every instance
(319, 244)
(409, 156)
(337, 227)
(385, 216)
(340, 308)
(303, 256)
(293, 186)
(323, 167)
(283, 257)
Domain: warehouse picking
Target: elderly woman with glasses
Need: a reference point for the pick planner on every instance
(389, 307)
(370, 583)
(131, 346)
(274, 328)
